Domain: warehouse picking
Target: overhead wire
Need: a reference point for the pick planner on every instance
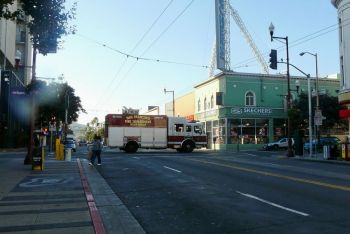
(135, 47)
(245, 62)
(152, 44)
(299, 41)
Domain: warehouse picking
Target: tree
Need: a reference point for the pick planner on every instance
(51, 101)
(48, 20)
(93, 128)
(299, 114)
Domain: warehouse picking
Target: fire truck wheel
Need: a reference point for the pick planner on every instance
(188, 146)
(131, 147)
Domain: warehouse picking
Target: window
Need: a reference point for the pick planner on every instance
(340, 30)
(212, 101)
(198, 129)
(205, 103)
(179, 127)
(199, 105)
(188, 128)
(249, 99)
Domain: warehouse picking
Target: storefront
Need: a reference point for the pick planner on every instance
(246, 111)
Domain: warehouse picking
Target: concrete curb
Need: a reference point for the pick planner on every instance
(115, 216)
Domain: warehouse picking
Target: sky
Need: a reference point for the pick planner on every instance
(177, 37)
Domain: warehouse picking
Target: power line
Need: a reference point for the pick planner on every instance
(167, 28)
(137, 44)
(150, 28)
(153, 43)
(301, 40)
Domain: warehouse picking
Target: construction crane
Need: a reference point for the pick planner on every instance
(234, 13)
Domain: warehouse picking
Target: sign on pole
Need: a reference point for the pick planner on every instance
(318, 118)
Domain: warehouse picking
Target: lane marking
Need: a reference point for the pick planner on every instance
(172, 169)
(306, 181)
(254, 155)
(272, 204)
(136, 157)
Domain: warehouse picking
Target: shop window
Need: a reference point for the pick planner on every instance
(262, 131)
(216, 131)
(234, 131)
(248, 131)
(250, 99)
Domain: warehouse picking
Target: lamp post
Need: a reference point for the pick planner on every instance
(271, 29)
(317, 98)
(318, 113)
(171, 91)
(66, 100)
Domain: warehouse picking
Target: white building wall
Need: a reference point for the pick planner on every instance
(8, 40)
(343, 7)
(204, 95)
(10, 43)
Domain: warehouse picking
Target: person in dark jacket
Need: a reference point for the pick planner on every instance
(96, 150)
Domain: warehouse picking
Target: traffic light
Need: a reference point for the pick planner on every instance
(273, 59)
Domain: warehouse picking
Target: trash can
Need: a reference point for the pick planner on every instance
(326, 152)
(68, 154)
(37, 158)
(333, 151)
(345, 151)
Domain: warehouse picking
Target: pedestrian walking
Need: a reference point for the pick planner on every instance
(96, 150)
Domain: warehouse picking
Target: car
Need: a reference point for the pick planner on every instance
(69, 144)
(82, 143)
(323, 141)
(280, 144)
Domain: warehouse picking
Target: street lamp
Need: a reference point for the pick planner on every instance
(318, 113)
(271, 29)
(317, 100)
(171, 91)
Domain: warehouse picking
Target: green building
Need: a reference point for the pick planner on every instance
(245, 111)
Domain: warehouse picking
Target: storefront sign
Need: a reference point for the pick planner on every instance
(207, 114)
(251, 110)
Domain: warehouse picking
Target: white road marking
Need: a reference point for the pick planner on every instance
(136, 157)
(172, 169)
(254, 155)
(273, 204)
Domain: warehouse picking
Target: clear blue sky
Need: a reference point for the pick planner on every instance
(106, 80)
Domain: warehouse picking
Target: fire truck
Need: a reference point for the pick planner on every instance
(130, 132)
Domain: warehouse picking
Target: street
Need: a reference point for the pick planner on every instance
(245, 192)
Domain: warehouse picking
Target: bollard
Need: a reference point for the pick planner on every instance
(68, 154)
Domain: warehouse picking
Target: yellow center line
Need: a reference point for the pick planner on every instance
(306, 181)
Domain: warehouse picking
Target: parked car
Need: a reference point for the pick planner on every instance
(82, 143)
(280, 144)
(70, 144)
(323, 141)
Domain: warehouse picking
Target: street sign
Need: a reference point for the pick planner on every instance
(318, 118)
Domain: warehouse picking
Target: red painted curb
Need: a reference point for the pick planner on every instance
(95, 215)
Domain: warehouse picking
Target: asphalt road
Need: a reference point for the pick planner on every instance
(246, 192)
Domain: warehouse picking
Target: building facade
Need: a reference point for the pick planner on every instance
(343, 7)
(248, 110)
(15, 69)
(184, 106)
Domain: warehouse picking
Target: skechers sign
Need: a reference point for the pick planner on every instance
(251, 111)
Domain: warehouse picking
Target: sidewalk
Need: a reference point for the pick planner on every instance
(66, 197)
(319, 157)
